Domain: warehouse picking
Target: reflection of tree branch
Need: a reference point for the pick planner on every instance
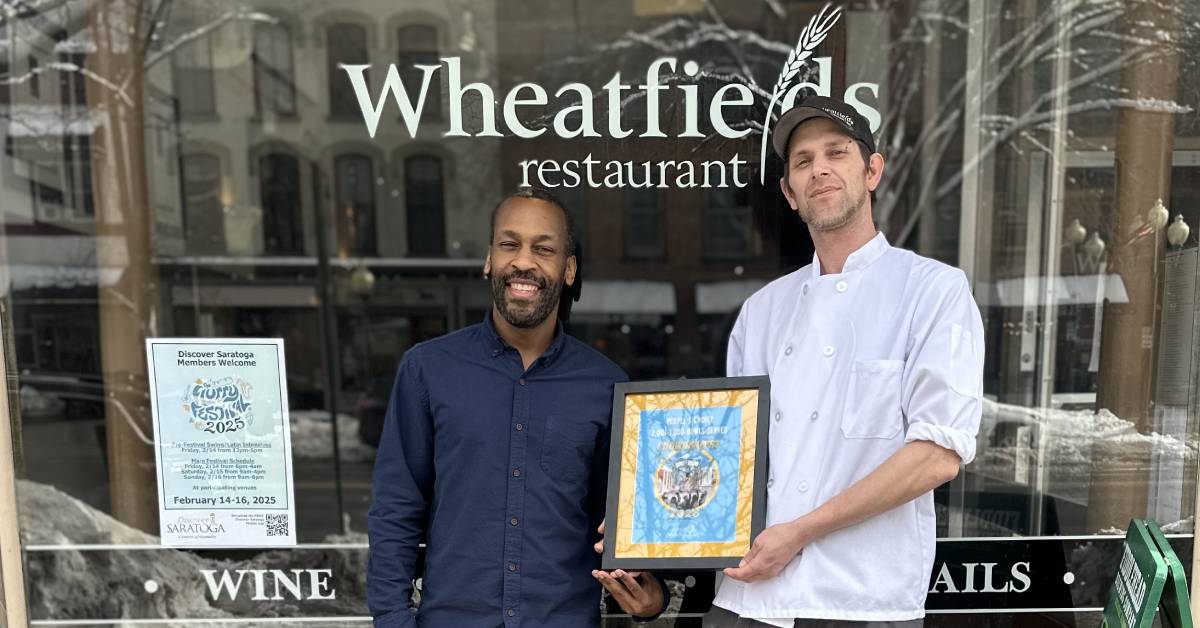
(775, 7)
(165, 52)
(156, 20)
(62, 66)
(229, 16)
(926, 181)
(730, 44)
(657, 38)
(133, 424)
(1033, 116)
(1026, 49)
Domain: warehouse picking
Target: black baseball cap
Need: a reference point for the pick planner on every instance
(846, 117)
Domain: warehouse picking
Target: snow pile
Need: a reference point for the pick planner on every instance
(1073, 434)
(1071, 441)
(67, 583)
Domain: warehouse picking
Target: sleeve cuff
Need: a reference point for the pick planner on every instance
(955, 440)
(666, 593)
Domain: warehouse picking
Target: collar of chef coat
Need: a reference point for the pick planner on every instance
(862, 257)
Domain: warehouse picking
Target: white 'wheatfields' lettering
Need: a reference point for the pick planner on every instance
(617, 94)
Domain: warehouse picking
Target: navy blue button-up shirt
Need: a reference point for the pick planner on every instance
(502, 470)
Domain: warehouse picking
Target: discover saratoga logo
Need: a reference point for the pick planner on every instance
(578, 119)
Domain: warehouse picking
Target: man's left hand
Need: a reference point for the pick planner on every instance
(638, 593)
(772, 550)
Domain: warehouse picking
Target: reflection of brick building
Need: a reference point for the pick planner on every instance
(271, 133)
(261, 101)
(665, 267)
(50, 241)
(251, 134)
(254, 149)
(252, 130)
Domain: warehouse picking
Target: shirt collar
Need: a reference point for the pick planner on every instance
(497, 345)
(862, 257)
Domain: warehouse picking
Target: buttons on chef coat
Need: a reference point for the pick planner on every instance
(815, 414)
(803, 486)
(788, 350)
(804, 290)
(778, 415)
(841, 286)
(770, 482)
(827, 351)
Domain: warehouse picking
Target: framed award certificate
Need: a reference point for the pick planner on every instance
(687, 472)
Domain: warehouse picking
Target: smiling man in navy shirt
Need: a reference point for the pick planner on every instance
(495, 453)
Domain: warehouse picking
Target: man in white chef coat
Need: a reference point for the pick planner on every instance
(875, 356)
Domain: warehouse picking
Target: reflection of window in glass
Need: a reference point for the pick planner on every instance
(72, 86)
(426, 206)
(345, 44)
(68, 344)
(370, 343)
(355, 207)
(1096, 115)
(419, 45)
(1185, 186)
(728, 224)
(60, 178)
(5, 95)
(46, 187)
(35, 78)
(192, 78)
(203, 214)
(274, 88)
(575, 200)
(639, 344)
(279, 185)
(708, 93)
(645, 233)
(557, 47)
(77, 167)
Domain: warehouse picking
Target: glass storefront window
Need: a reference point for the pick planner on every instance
(207, 169)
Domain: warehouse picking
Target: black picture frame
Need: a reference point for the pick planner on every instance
(760, 383)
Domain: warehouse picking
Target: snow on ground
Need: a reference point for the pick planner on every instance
(67, 583)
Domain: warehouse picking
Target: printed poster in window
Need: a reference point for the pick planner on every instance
(222, 442)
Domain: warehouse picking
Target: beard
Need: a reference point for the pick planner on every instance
(840, 217)
(527, 314)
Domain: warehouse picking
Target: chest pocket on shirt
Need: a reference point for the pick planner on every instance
(873, 400)
(567, 448)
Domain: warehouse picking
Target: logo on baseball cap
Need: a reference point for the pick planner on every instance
(846, 117)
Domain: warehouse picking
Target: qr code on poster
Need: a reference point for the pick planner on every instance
(277, 525)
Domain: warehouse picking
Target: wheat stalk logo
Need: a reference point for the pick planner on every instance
(813, 34)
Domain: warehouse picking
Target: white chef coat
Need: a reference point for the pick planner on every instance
(886, 352)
